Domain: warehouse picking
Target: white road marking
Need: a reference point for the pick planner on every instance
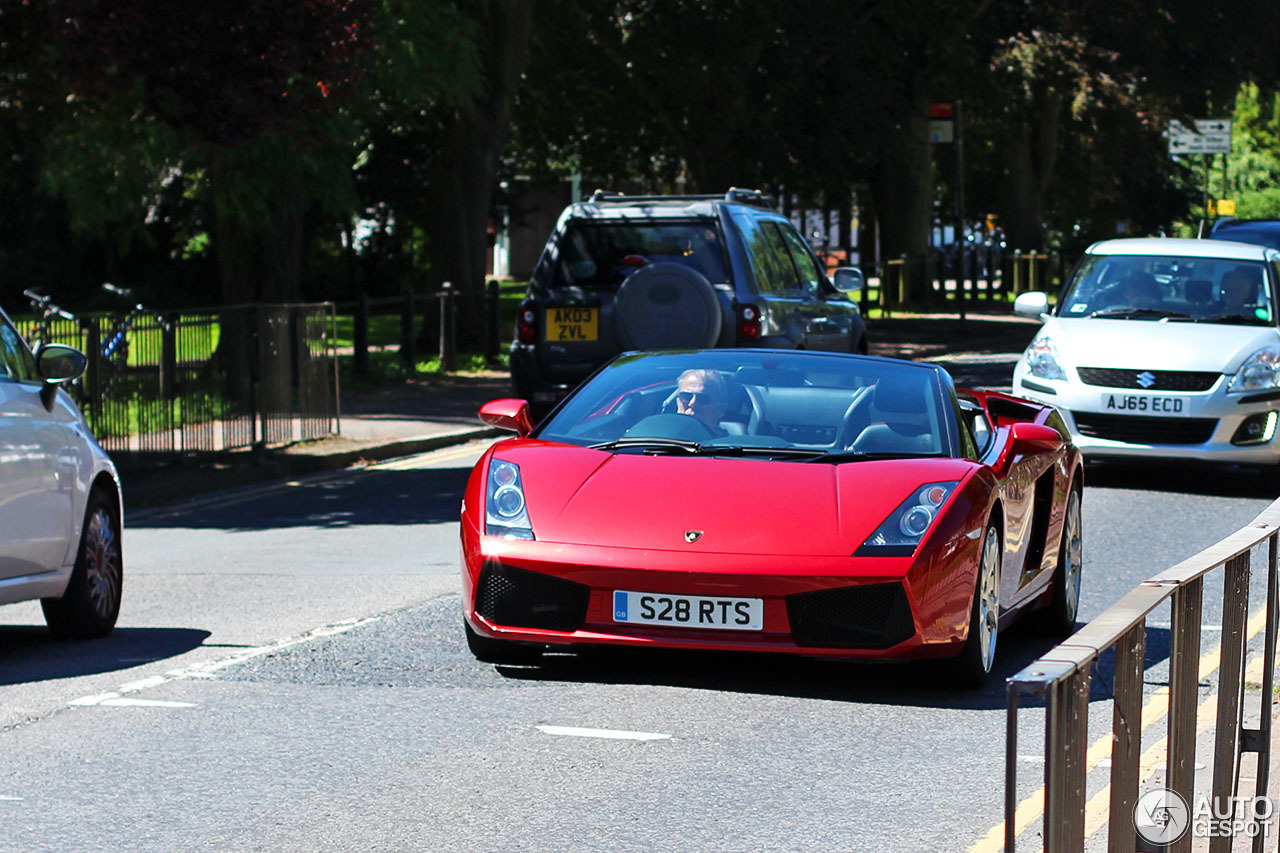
(4, 799)
(613, 734)
(126, 702)
(208, 668)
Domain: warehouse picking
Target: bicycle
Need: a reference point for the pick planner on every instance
(47, 311)
(115, 347)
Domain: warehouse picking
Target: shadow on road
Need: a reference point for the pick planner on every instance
(1184, 477)
(31, 653)
(415, 496)
(916, 684)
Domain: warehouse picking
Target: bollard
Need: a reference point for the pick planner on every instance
(360, 337)
(491, 327)
(448, 343)
(407, 341)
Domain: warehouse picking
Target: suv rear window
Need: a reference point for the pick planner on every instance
(599, 255)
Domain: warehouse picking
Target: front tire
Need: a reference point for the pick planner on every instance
(1060, 618)
(979, 653)
(91, 604)
(489, 650)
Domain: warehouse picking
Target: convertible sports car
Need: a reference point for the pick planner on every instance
(819, 504)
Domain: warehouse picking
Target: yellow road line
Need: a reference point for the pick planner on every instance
(1156, 708)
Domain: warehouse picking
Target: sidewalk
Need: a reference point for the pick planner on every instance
(429, 412)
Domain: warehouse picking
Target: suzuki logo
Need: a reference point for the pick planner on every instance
(1146, 379)
(692, 535)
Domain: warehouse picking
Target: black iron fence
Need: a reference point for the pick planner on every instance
(162, 384)
(959, 282)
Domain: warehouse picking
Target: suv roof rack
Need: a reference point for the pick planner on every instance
(756, 198)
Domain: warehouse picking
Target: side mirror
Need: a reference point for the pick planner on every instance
(1027, 438)
(508, 413)
(848, 280)
(1033, 304)
(58, 363)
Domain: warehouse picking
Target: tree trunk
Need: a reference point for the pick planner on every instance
(462, 178)
(1028, 153)
(902, 186)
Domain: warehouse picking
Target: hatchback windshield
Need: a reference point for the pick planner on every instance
(759, 404)
(1146, 287)
(601, 255)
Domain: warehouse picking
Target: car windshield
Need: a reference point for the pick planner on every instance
(760, 404)
(602, 254)
(1175, 289)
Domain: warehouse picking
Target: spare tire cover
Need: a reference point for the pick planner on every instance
(666, 306)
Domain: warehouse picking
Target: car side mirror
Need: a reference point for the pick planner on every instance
(508, 413)
(1033, 304)
(58, 363)
(848, 280)
(1027, 438)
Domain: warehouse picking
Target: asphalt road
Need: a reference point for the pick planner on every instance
(290, 674)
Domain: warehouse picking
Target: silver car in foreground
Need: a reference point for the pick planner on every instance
(60, 507)
(1162, 347)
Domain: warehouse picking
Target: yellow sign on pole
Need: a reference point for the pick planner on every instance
(1226, 207)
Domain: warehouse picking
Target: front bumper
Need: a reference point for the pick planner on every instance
(1208, 425)
(822, 607)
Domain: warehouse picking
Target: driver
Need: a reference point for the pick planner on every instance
(701, 393)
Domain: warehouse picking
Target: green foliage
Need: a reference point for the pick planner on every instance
(1254, 163)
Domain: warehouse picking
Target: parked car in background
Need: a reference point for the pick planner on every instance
(660, 272)
(817, 504)
(60, 504)
(1163, 348)
(1263, 232)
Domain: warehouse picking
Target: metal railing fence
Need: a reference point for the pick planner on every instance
(956, 282)
(1062, 677)
(162, 384)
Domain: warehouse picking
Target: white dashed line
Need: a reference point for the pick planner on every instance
(612, 734)
(4, 799)
(207, 669)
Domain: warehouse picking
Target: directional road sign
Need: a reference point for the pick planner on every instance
(1210, 136)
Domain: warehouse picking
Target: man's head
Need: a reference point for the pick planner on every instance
(701, 393)
(1237, 287)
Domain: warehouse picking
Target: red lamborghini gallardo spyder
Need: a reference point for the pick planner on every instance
(818, 504)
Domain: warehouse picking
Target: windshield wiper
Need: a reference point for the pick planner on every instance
(864, 455)
(649, 445)
(1128, 311)
(1231, 318)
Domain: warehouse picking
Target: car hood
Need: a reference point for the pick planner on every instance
(740, 506)
(1146, 345)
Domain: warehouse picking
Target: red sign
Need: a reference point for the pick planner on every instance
(940, 109)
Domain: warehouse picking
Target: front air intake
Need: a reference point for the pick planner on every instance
(523, 599)
(869, 616)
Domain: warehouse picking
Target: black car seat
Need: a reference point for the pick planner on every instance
(903, 404)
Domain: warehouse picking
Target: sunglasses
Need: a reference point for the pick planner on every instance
(687, 397)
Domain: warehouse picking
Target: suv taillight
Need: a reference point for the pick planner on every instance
(527, 325)
(748, 323)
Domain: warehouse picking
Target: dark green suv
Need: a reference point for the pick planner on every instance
(626, 273)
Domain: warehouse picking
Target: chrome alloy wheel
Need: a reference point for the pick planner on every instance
(988, 624)
(102, 564)
(1072, 554)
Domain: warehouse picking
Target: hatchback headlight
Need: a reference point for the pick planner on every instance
(907, 525)
(505, 512)
(1259, 372)
(1042, 359)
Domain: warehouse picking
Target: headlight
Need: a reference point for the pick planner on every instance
(1259, 372)
(907, 525)
(1042, 359)
(505, 513)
